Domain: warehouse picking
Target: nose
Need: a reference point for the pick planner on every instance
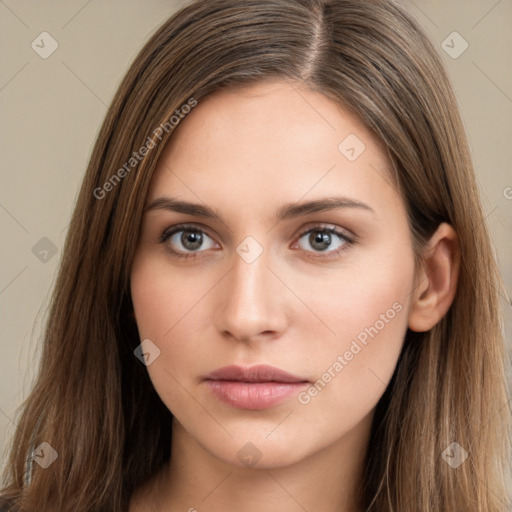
(252, 302)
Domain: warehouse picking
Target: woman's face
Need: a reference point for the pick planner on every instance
(293, 251)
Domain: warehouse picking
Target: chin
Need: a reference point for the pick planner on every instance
(255, 451)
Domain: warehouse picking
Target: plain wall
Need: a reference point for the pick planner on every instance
(51, 111)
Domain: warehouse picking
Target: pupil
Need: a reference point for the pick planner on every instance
(320, 240)
(191, 239)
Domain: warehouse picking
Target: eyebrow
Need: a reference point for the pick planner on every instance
(288, 211)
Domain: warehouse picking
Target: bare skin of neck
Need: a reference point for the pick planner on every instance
(194, 480)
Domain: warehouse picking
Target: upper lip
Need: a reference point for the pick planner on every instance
(257, 373)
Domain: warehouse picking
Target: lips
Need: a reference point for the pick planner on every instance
(258, 373)
(256, 387)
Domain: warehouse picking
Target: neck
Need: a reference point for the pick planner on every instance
(327, 480)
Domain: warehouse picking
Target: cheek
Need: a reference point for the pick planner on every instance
(163, 298)
(368, 313)
(170, 311)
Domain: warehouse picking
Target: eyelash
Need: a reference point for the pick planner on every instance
(348, 240)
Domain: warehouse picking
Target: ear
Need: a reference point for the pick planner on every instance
(437, 280)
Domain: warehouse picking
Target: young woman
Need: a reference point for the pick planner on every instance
(278, 289)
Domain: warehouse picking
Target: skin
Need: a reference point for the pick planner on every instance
(245, 153)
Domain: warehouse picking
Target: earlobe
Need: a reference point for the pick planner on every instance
(437, 280)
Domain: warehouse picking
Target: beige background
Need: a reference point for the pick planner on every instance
(51, 110)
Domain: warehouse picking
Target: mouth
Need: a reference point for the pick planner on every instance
(254, 388)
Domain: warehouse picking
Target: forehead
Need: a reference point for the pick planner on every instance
(268, 142)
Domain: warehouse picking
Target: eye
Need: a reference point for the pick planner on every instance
(186, 241)
(322, 239)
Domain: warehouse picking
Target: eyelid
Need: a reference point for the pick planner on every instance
(184, 227)
(319, 226)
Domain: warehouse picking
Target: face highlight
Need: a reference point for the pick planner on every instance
(272, 237)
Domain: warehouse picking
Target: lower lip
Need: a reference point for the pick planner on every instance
(254, 395)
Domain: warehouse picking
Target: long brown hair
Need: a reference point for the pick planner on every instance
(93, 401)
